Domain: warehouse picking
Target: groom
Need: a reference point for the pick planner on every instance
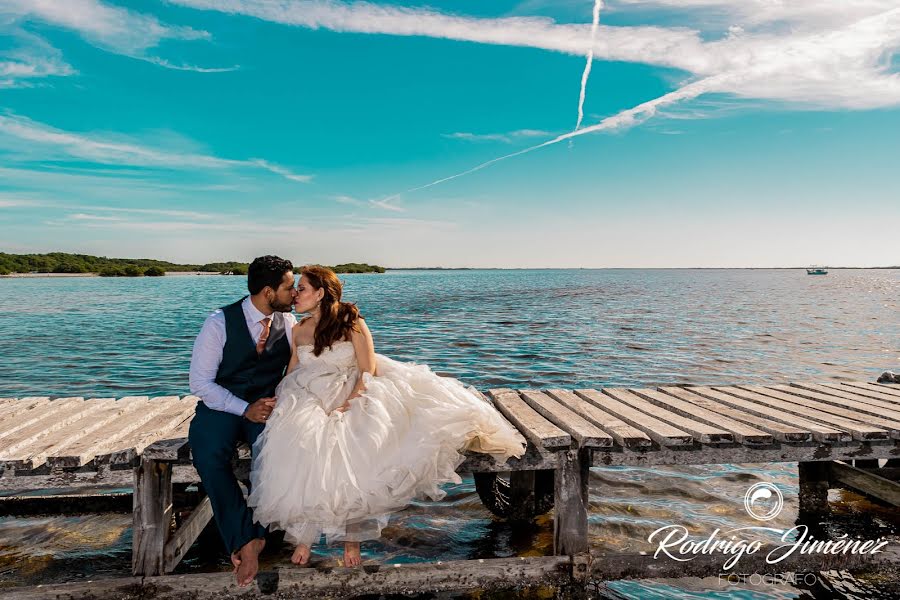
(238, 360)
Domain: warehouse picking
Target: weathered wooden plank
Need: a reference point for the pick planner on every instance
(711, 400)
(872, 396)
(183, 428)
(160, 426)
(623, 433)
(739, 454)
(27, 412)
(585, 433)
(791, 413)
(35, 454)
(858, 401)
(46, 479)
(152, 515)
(866, 482)
(321, 581)
(701, 432)
(538, 430)
(823, 412)
(886, 388)
(187, 534)
(659, 431)
(535, 459)
(71, 410)
(79, 452)
(743, 434)
(5, 402)
(760, 405)
(849, 408)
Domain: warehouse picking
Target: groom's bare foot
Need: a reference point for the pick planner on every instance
(300, 555)
(236, 560)
(351, 554)
(248, 563)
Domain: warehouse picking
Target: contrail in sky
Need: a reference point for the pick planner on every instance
(625, 118)
(590, 60)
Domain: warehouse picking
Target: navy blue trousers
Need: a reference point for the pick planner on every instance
(214, 435)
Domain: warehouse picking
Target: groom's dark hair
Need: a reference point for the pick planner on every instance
(267, 271)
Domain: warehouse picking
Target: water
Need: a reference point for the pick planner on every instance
(531, 328)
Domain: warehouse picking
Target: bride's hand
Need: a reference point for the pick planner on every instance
(343, 407)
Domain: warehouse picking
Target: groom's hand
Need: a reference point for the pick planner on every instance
(259, 411)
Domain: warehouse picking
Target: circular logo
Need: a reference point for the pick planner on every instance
(763, 501)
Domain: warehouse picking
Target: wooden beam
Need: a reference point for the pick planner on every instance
(570, 522)
(152, 516)
(866, 482)
(187, 534)
(813, 493)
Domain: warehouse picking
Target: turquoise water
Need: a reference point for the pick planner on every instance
(569, 328)
(535, 328)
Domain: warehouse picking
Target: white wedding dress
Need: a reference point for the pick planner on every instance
(318, 471)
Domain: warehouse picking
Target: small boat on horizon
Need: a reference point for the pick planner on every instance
(816, 271)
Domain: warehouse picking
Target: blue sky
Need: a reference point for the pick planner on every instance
(715, 132)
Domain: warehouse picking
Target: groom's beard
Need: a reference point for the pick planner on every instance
(279, 307)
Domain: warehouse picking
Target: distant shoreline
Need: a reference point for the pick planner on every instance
(206, 273)
(55, 275)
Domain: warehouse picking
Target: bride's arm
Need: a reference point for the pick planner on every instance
(364, 348)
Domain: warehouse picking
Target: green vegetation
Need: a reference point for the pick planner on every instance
(60, 262)
(357, 268)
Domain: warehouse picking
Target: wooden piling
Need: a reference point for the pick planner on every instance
(152, 516)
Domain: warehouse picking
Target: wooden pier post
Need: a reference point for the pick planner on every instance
(152, 516)
(571, 502)
(814, 483)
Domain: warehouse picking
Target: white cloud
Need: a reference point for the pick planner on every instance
(386, 204)
(117, 29)
(25, 139)
(507, 138)
(833, 54)
(28, 58)
(111, 28)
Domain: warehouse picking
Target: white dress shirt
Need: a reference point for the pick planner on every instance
(207, 356)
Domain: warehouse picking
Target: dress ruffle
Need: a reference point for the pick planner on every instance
(342, 474)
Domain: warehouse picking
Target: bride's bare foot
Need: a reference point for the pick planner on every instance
(300, 555)
(248, 565)
(351, 554)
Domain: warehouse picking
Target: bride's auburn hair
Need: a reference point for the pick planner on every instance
(336, 319)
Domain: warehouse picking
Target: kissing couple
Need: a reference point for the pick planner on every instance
(342, 437)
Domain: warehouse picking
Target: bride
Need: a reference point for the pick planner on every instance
(355, 436)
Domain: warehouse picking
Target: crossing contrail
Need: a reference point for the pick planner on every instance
(590, 59)
(626, 118)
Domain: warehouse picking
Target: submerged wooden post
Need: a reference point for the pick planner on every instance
(521, 496)
(152, 516)
(571, 503)
(814, 482)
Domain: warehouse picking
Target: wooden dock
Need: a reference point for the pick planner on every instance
(825, 427)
